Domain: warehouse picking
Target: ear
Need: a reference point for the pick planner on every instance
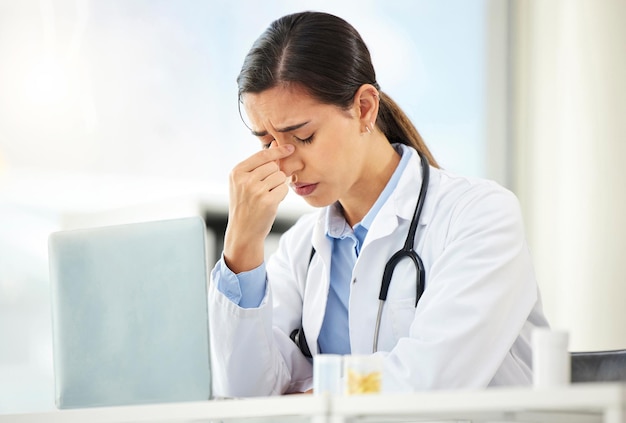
(366, 102)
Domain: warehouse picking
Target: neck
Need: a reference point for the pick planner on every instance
(380, 163)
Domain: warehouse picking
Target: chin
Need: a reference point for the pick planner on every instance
(315, 201)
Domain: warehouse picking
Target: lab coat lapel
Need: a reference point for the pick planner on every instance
(317, 284)
(401, 203)
(367, 275)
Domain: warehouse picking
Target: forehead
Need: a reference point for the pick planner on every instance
(280, 106)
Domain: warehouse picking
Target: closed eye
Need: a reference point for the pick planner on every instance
(305, 140)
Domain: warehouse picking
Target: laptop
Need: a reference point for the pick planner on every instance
(130, 314)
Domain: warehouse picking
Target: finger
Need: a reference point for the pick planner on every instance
(258, 182)
(274, 180)
(277, 194)
(267, 155)
(265, 170)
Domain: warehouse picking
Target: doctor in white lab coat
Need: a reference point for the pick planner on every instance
(346, 147)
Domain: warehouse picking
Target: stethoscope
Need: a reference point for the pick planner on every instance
(407, 252)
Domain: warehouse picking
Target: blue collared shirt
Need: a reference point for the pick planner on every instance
(248, 288)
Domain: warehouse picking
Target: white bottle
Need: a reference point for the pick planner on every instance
(551, 358)
(327, 370)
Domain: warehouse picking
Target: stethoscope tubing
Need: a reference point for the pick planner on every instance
(407, 251)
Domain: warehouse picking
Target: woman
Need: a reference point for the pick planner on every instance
(328, 130)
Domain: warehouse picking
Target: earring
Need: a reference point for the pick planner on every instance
(367, 128)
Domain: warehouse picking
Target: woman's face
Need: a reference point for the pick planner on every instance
(328, 160)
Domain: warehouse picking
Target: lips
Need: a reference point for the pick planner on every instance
(303, 189)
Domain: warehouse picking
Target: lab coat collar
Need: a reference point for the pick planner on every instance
(409, 188)
(401, 204)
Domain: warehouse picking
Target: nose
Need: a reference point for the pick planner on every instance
(290, 164)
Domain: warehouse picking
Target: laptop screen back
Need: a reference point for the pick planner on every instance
(129, 313)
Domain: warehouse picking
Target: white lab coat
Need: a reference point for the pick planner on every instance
(471, 328)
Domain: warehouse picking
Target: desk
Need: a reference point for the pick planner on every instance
(577, 403)
(292, 408)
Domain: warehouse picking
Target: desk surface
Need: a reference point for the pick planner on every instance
(286, 408)
(576, 403)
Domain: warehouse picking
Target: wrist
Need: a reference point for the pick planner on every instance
(243, 257)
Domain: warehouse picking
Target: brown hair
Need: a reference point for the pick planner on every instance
(326, 55)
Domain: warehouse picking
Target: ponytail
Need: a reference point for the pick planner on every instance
(397, 127)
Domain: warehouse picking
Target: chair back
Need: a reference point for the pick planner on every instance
(599, 366)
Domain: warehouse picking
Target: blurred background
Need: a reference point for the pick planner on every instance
(126, 110)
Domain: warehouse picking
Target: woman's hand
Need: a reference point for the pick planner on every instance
(257, 186)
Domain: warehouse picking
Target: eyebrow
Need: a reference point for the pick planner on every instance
(285, 129)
